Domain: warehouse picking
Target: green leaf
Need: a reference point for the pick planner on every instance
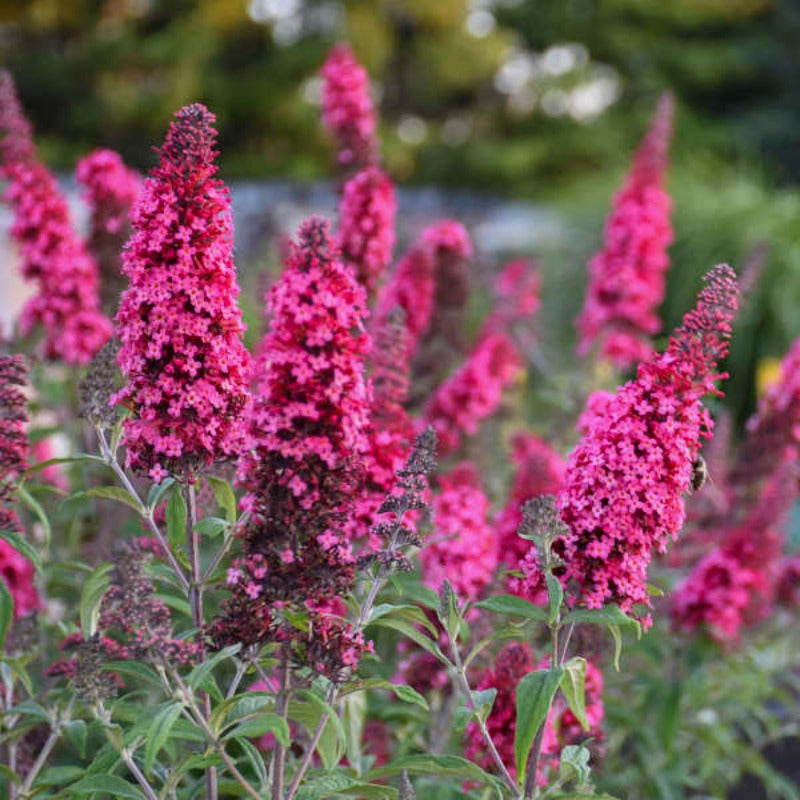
(608, 615)
(6, 612)
(256, 759)
(555, 595)
(514, 607)
(176, 519)
(58, 775)
(616, 635)
(201, 671)
(443, 767)
(573, 687)
(107, 784)
(410, 695)
(226, 499)
(37, 510)
(10, 774)
(535, 694)
(23, 547)
(483, 702)
(212, 526)
(407, 629)
(135, 669)
(574, 760)
(95, 586)
(51, 462)
(75, 734)
(447, 611)
(260, 724)
(159, 731)
(157, 491)
(410, 613)
(114, 493)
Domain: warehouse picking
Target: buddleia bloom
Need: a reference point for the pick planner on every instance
(627, 277)
(625, 481)
(66, 304)
(366, 225)
(110, 189)
(15, 570)
(180, 328)
(347, 110)
(308, 424)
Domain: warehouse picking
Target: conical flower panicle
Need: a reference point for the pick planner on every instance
(347, 111)
(366, 225)
(627, 277)
(66, 304)
(109, 190)
(182, 354)
(308, 424)
(625, 481)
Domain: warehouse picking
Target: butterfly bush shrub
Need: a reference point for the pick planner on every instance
(300, 573)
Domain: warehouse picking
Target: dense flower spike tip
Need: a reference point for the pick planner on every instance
(627, 277)
(347, 110)
(52, 255)
(308, 424)
(463, 548)
(624, 483)
(15, 570)
(109, 189)
(180, 328)
(366, 224)
(474, 391)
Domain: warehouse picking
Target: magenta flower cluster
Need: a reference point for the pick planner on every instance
(182, 353)
(110, 189)
(308, 425)
(366, 225)
(627, 277)
(66, 304)
(347, 110)
(624, 483)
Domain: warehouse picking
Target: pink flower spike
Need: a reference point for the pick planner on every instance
(627, 277)
(347, 110)
(53, 257)
(181, 330)
(366, 225)
(625, 481)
